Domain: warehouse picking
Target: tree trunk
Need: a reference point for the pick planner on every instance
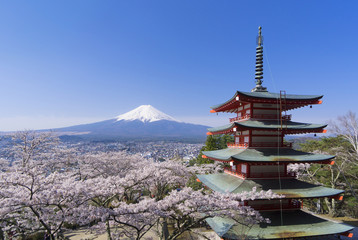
(165, 231)
(331, 205)
(109, 237)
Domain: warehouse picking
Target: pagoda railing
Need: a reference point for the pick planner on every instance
(237, 145)
(260, 116)
(229, 170)
(260, 145)
(237, 119)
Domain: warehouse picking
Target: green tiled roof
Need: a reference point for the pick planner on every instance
(268, 124)
(272, 124)
(265, 155)
(221, 128)
(290, 188)
(295, 224)
(269, 95)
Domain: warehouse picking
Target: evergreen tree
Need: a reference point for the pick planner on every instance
(213, 142)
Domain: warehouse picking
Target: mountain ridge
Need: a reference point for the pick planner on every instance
(144, 122)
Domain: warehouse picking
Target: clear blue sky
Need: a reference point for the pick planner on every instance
(70, 62)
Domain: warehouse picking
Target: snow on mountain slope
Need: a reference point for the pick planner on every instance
(145, 113)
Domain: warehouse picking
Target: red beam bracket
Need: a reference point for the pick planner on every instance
(338, 197)
(347, 234)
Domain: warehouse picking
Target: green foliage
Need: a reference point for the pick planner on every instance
(341, 175)
(213, 142)
(327, 145)
(194, 184)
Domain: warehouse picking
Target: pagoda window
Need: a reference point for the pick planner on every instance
(267, 171)
(243, 168)
(266, 141)
(265, 105)
(274, 204)
(238, 133)
(266, 114)
(265, 133)
(247, 106)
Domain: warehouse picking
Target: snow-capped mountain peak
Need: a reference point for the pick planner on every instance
(145, 113)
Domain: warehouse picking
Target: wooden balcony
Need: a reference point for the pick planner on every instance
(228, 170)
(238, 119)
(260, 145)
(237, 145)
(261, 117)
(266, 175)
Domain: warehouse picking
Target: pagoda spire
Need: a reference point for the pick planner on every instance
(259, 65)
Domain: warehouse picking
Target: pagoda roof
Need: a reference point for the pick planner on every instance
(269, 95)
(266, 155)
(290, 188)
(288, 126)
(295, 224)
(293, 99)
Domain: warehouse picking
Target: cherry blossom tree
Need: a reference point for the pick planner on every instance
(38, 192)
(187, 208)
(346, 126)
(124, 195)
(153, 194)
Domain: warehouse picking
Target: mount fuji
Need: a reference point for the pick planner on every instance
(143, 123)
(145, 113)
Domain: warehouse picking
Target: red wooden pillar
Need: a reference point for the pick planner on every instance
(250, 138)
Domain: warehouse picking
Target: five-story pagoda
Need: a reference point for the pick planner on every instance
(259, 158)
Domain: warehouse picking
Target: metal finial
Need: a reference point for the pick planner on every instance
(259, 65)
(259, 38)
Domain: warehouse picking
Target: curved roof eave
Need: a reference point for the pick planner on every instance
(228, 101)
(267, 125)
(221, 128)
(266, 155)
(270, 96)
(276, 124)
(289, 188)
(296, 224)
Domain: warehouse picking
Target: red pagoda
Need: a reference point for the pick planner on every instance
(259, 158)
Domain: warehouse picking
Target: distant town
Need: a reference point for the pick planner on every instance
(157, 150)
